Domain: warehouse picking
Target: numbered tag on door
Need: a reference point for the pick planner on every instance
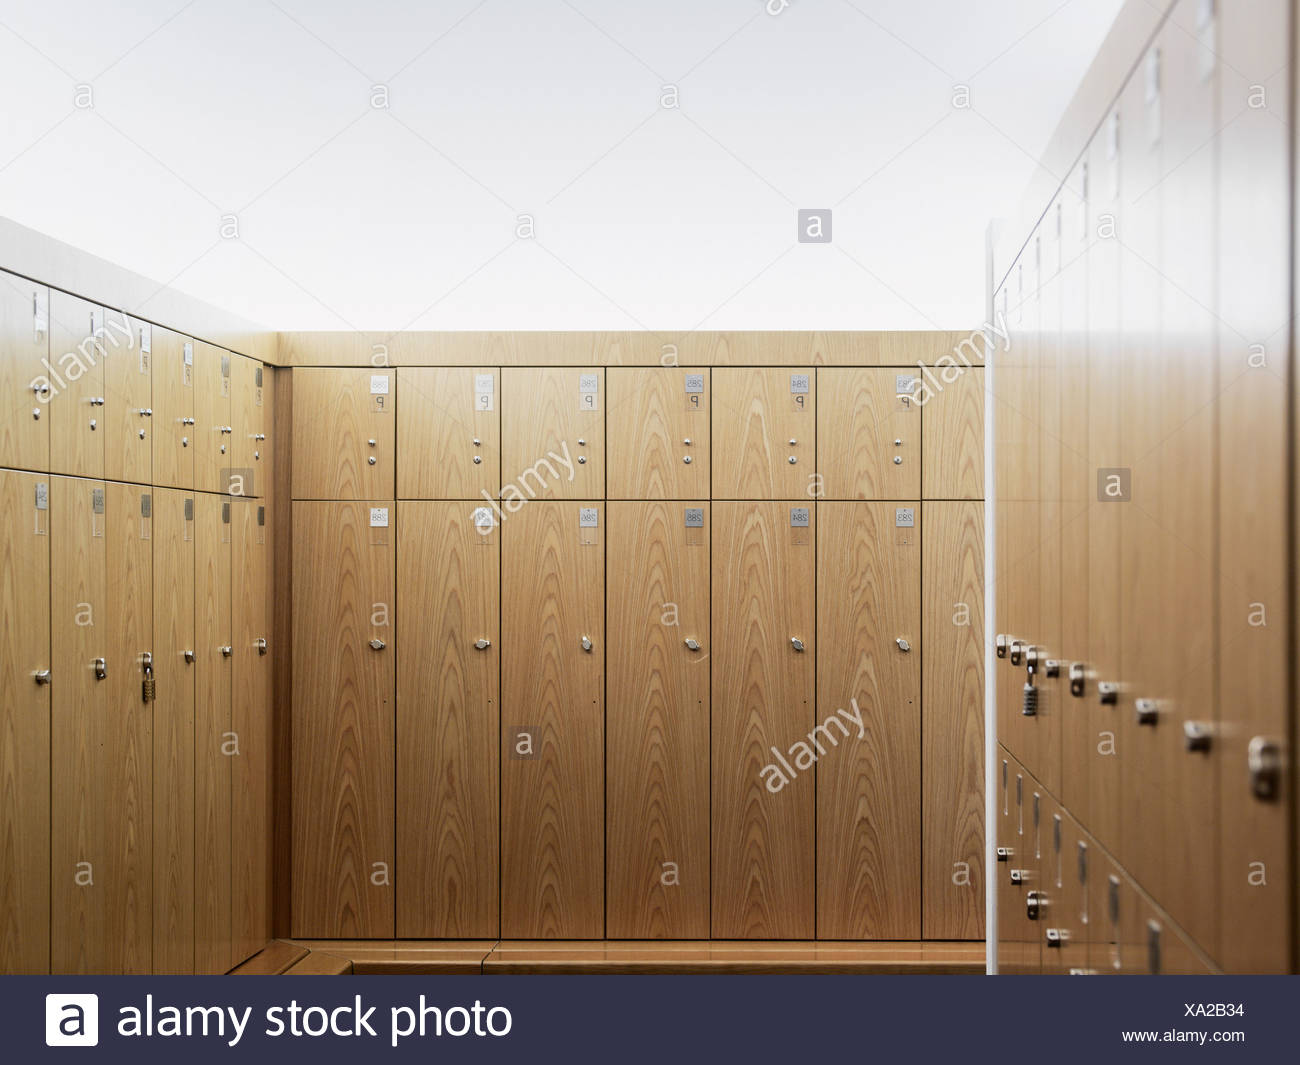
(588, 391)
(378, 526)
(189, 520)
(904, 390)
(799, 391)
(225, 523)
(261, 525)
(694, 521)
(225, 376)
(484, 387)
(904, 526)
(42, 508)
(694, 392)
(97, 513)
(187, 365)
(589, 526)
(146, 516)
(484, 522)
(800, 526)
(257, 385)
(379, 393)
(146, 346)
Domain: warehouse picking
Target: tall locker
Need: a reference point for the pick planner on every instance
(870, 427)
(449, 433)
(867, 741)
(553, 721)
(343, 719)
(248, 428)
(128, 404)
(212, 415)
(173, 731)
(76, 408)
(952, 720)
(343, 433)
(764, 434)
(952, 435)
(448, 720)
(214, 741)
(657, 753)
(251, 724)
(25, 385)
(552, 434)
(763, 805)
(173, 417)
(658, 433)
(25, 722)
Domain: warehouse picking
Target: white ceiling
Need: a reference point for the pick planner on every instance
(351, 216)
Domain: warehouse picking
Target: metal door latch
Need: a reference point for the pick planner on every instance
(1017, 652)
(260, 644)
(377, 644)
(796, 643)
(1035, 903)
(1052, 667)
(1032, 657)
(482, 644)
(1147, 711)
(903, 645)
(586, 644)
(1057, 937)
(148, 692)
(189, 657)
(1076, 679)
(692, 644)
(1196, 736)
(1018, 876)
(1264, 759)
(227, 651)
(101, 669)
(42, 676)
(1107, 692)
(1000, 645)
(1004, 854)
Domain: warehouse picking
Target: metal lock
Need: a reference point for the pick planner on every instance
(686, 459)
(1017, 652)
(1029, 700)
(101, 668)
(692, 644)
(1004, 854)
(147, 689)
(903, 645)
(1077, 679)
(796, 643)
(1146, 711)
(1196, 736)
(42, 676)
(377, 644)
(587, 644)
(189, 657)
(1018, 876)
(1056, 937)
(226, 651)
(898, 460)
(1264, 760)
(482, 644)
(1000, 645)
(792, 460)
(1035, 904)
(260, 644)
(582, 460)
(1107, 692)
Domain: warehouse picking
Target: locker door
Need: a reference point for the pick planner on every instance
(343, 719)
(1063, 921)
(1008, 891)
(762, 704)
(1018, 874)
(25, 385)
(659, 433)
(251, 723)
(173, 733)
(1168, 951)
(657, 822)
(449, 433)
(25, 722)
(870, 427)
(448, 721)
(1033, 868)
(553, 723)
(213, 750)
(756, 414)
(1118, 946)
(173, 409)
(343, 434)
(952, 720)
(248, 423)
(77, 417)
(553, 434)
(81, 628)
(952, 437)
(868, 746)
(128, 402)
(213, 431)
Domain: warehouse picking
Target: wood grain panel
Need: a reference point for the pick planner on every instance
(552, 802)
(248, 426)
(24, 414)
(448, 722)
(657, 818)
(213, 770)
(77, 356)
(280, 397)
(869, 715)
(173, 732)
(24, 725)
(651, 417)
(755, 415)
(548, 426)
(871, 434)
(762, 698)
(80, 627)
(952, 434)
(251, 723)
(444, 424)
(212, 414)
(952, 720)
(173, 418)
(336, 415)
(128, 397)
(343, 714)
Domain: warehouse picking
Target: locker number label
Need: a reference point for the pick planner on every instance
(588, 386)
(484, 388)
(799, 383)
(484, 521)
(187, 366)
(694, 382)
(379, 384)
(905, 517)
(693, 518)
(798, 517)
(588, 517)
(379, 517)
(800, 523)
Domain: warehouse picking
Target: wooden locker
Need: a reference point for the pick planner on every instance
(25, 721)
(212, 413)
(1168, 950)
(337, 415)
(553, 721)
(952, 435)
(868, 743)
(1063, 907)
(173, 422)
(1007, 887)
(869, 423)
(659, 433)
(1018, 949)
(252, 726)
(952, 720)
(343, 719)
(248, 424)
(128, 402)
(173, 732)
(1034, 838)
(756, 413)
(657, 820)
(763, 817)
(553, 433)
(449, 433)
(213, 750)
(448, 720)
(76, 407)
(25, 374)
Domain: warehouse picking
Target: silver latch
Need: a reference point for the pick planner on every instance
(1052, 667)
(1264, 759)
(587, 644)
(1147, 711)
(1035, 903)
(1196, 735)
(1056, 937)
(260, 644)
(189, 657)
(1077, 679)
(692, 644)
(1107, 692)
(482, 644)
(1000, 645)
(1017, 652)
(903, 645)
(377, 644)
(42, 676)
(226, 651)
(101, 668)
(796, 643)
(1004, 854)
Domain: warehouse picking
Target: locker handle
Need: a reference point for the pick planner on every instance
(101, 669)
(227, 651)
(482, 644)
(1264, 760)
(796, 643)
(1000, 645)
(226, 430)
(903, 645)
(260, 644)
(1146, 711)
(42, 676)
(1107, 692)
(146, 412)
(377, 644)
(1076, 679)
(1196, 736)
(586, 644)
(187, 421)
(692, 644)
(188, 656)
